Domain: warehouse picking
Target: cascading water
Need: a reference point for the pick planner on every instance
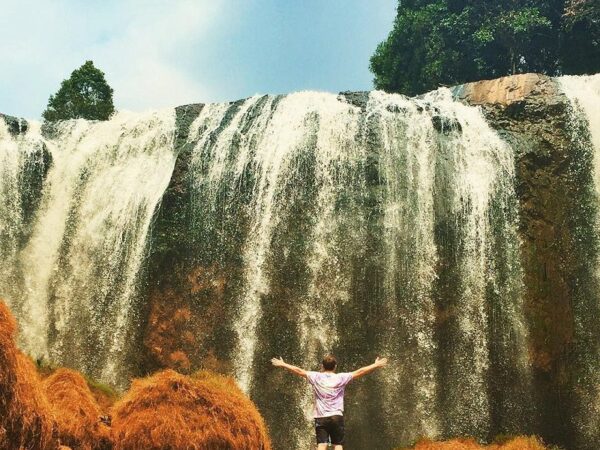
(407, 168)
(78, 267)
(441, 189)
(23, 163)
(361, 224)
(584, 95)
(331, 198)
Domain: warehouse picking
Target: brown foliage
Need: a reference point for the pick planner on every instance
(172, 411)
(104, 398)
(454, 444)
(521, 443)
(581, 8)
(169, 338)
(76, 412)
(177, 329)
(8, 325)
(165, 411)
(518, 443)
(25, 417)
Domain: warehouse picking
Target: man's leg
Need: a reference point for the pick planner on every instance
(337, 432)
(321, 428)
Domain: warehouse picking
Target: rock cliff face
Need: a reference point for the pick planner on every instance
(558, 229)
(190, 300)
(187, 309)
(456, 233)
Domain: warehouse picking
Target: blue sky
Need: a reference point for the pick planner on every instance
(171, 52)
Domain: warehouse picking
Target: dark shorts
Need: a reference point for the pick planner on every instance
(330, 427)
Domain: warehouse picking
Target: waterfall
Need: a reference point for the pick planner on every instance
(332, 196)
(447, 174)
(361, 224)
(23, 162)
(584, 95)
(78, 267)
(407, 168)
(584, 92)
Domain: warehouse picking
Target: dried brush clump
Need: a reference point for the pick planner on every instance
(454, 444)
(518, 443)
(521, 443)
(25, 415)
(175, 412)
(76, 412)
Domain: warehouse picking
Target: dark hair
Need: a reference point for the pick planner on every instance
(329, 362)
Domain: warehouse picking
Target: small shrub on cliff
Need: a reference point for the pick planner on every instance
(170, 410)
(25, 415)
(85, 95)
(76, 412)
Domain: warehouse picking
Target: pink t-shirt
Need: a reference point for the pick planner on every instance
(329, 392)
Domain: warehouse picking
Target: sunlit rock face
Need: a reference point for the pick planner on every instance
(455, 233)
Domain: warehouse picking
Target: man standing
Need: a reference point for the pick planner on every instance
(328, 388)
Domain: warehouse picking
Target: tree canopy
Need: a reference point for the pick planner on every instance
(85, 95)
(445, 42)
(581, 49)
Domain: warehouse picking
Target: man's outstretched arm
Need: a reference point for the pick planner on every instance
(296, 370)
(379, 362)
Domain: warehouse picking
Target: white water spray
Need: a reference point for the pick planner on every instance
(584, 94)
(326, 144)
(80, 265)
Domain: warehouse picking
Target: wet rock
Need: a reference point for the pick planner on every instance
(553, 188)
(446, 125)
(15, 125)
(37, 165)
(359, 99)
(184, 317)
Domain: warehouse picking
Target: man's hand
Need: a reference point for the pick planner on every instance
(381, 362)
(278, 362)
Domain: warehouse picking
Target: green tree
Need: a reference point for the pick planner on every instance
(580, 50)
(85, 95)
(446, 42)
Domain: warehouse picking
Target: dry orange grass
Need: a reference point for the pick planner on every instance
(76, 412)
(454, 444)
(104, 398)
(25, 417)
(519, 443)
(175, 412)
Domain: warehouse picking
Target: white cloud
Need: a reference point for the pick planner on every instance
(143, 57)
(141, 45)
